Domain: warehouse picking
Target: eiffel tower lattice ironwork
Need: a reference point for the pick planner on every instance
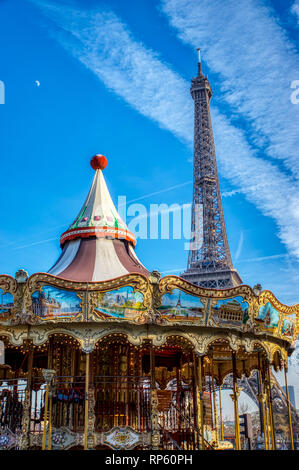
(249, 385)
(209, 262)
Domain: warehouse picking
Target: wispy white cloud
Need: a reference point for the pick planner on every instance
(103, 43)
(264, 258)
(244, 43)
(240, 246)
(263, 184)
(155, 193)
(295, 9)
(105, 46)
(174, 270)
(40, 242)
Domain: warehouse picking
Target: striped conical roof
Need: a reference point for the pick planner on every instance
(98, 245)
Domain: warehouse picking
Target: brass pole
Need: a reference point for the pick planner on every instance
(30, 364)
(178, 394)
(271, 409)
(235, 396)
(155, 437)
(48, 376)
(50, 365)
(210, 394)
(86, 401)
(50, 422)
(214, 403)
(152, 367)
(26, 415)
(261, 398)
(50, 353)
(200, 396)
(196, 399)
(49, 400)
(45, 417)
(266, 405)
(221, 419)
(267, 420)
(289, 407)
(262, 402)
(264, 376)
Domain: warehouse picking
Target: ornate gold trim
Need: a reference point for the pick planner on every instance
(168, 283)
(136, 280)
(267, 295)
(8, 284)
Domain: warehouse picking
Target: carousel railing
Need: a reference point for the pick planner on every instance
(185, 437)
(177, 418)
(67, 400)
(119, 401)
(12, 397)
(189, 437)
(122, 401)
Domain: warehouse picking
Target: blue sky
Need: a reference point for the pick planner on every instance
(114, 78)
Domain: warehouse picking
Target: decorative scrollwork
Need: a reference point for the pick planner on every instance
(137, 281)
(267, 295)
(8, 284)
(168, 283)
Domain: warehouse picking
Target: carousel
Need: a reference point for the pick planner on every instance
(99, 353)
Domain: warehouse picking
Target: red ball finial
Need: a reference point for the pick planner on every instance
(98, 162)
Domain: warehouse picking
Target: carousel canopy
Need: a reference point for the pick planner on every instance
(98, 245)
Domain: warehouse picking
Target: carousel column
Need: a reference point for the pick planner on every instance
(271, 417)
(200, 384)
(214, 404)
(262, 401)
(50, 353)
(26, 416)
(267, 417)
(289, 407)
(234, 396)
(50, 399)
(89, 410)
(197, 364)
(86, 401)
(220, 413)
(220, 407)
(155, 437)
(48, 376)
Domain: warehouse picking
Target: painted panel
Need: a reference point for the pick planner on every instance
(119, 303)
(288, 327)
(233, 310)
(51, 302)
(180, 305)
(6, 303)
(268, 316)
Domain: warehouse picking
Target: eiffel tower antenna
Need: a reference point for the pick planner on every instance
(209, 263)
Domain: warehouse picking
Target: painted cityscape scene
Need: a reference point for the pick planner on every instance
(288, 327)
(233, 310)
(179, 305)
(53, 302)
(268, 316)
(120, 303)
(6, 303)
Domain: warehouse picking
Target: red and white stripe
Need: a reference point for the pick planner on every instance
(96, 259)
(98, 246)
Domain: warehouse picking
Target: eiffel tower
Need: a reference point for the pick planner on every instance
(209, 261)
